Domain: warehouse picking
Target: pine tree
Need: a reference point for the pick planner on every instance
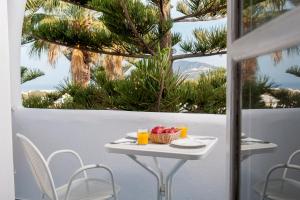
(81, 61)
(30, 74)
(294, 70)
(134, 28)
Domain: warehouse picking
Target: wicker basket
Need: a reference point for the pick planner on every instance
(164, 138)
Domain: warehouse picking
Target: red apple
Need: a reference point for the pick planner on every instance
(166, 130)
(173, 130)
(157, 130)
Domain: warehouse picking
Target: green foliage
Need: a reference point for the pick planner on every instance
(144, 17)
(140, 92)
(176, 38)
(38, 47)
(52, 28)
(108, 28)
(206, 41)
(40, 101)
(294, 70)
(257, 12)
(152, 86)
(30, 74)
(36, 102)
(187, 46)
(133, 28)
(202, 9)
(207, 94)
(108, 87)
(34, 5)
(252, 91)
(136, 28)
(90, 97)
(99, 78)
(287, 98)
(27, 36)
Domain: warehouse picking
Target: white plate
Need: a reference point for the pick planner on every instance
(187, 143)
(132, 135)
(203, 138)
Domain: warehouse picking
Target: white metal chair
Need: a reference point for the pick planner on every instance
(77, 188)
(283, 188)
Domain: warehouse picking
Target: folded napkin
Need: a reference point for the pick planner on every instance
(124, 141)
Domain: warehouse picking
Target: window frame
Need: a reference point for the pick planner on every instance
(280, 33)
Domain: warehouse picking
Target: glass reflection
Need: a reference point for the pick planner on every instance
(257, 12)
(272, 81)
(270, 125)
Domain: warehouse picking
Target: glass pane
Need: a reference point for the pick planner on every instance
(257, 12)
(270, 124)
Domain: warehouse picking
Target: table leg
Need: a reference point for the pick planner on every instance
(169, 179)
(162, 189)
(154, 173)
(161, 175)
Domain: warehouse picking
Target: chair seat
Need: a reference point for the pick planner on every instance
(280, 189)
(87, 189)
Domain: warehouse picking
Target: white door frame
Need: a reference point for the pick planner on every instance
(280, 33)
(6, 152)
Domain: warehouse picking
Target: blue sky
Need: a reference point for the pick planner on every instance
(54, 76)
(277, 72)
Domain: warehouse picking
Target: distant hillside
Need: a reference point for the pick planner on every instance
(192, 69)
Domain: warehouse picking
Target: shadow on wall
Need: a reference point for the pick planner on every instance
(87, 131)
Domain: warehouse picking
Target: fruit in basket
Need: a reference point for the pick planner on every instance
(162, 129)
(173, 130)
(163, 135)
(158, 130)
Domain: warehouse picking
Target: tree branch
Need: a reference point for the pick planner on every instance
(131, 24)
(96, 50)
(179, 19)
(27, 42)
(194, 19)
(211, 9)
(133, 28)
(193, 55)
(79, 4)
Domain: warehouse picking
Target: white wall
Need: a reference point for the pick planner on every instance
(88, 131)
(16, 9)
(6, 169)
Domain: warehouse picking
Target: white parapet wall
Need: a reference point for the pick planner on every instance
(88, 131)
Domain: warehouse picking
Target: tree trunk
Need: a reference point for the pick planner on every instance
(165, 17)
(113, 67)
(79, 69)
(165, 41)
(249, 68)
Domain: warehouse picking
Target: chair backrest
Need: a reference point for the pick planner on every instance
(39, 168)
(292, 156)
